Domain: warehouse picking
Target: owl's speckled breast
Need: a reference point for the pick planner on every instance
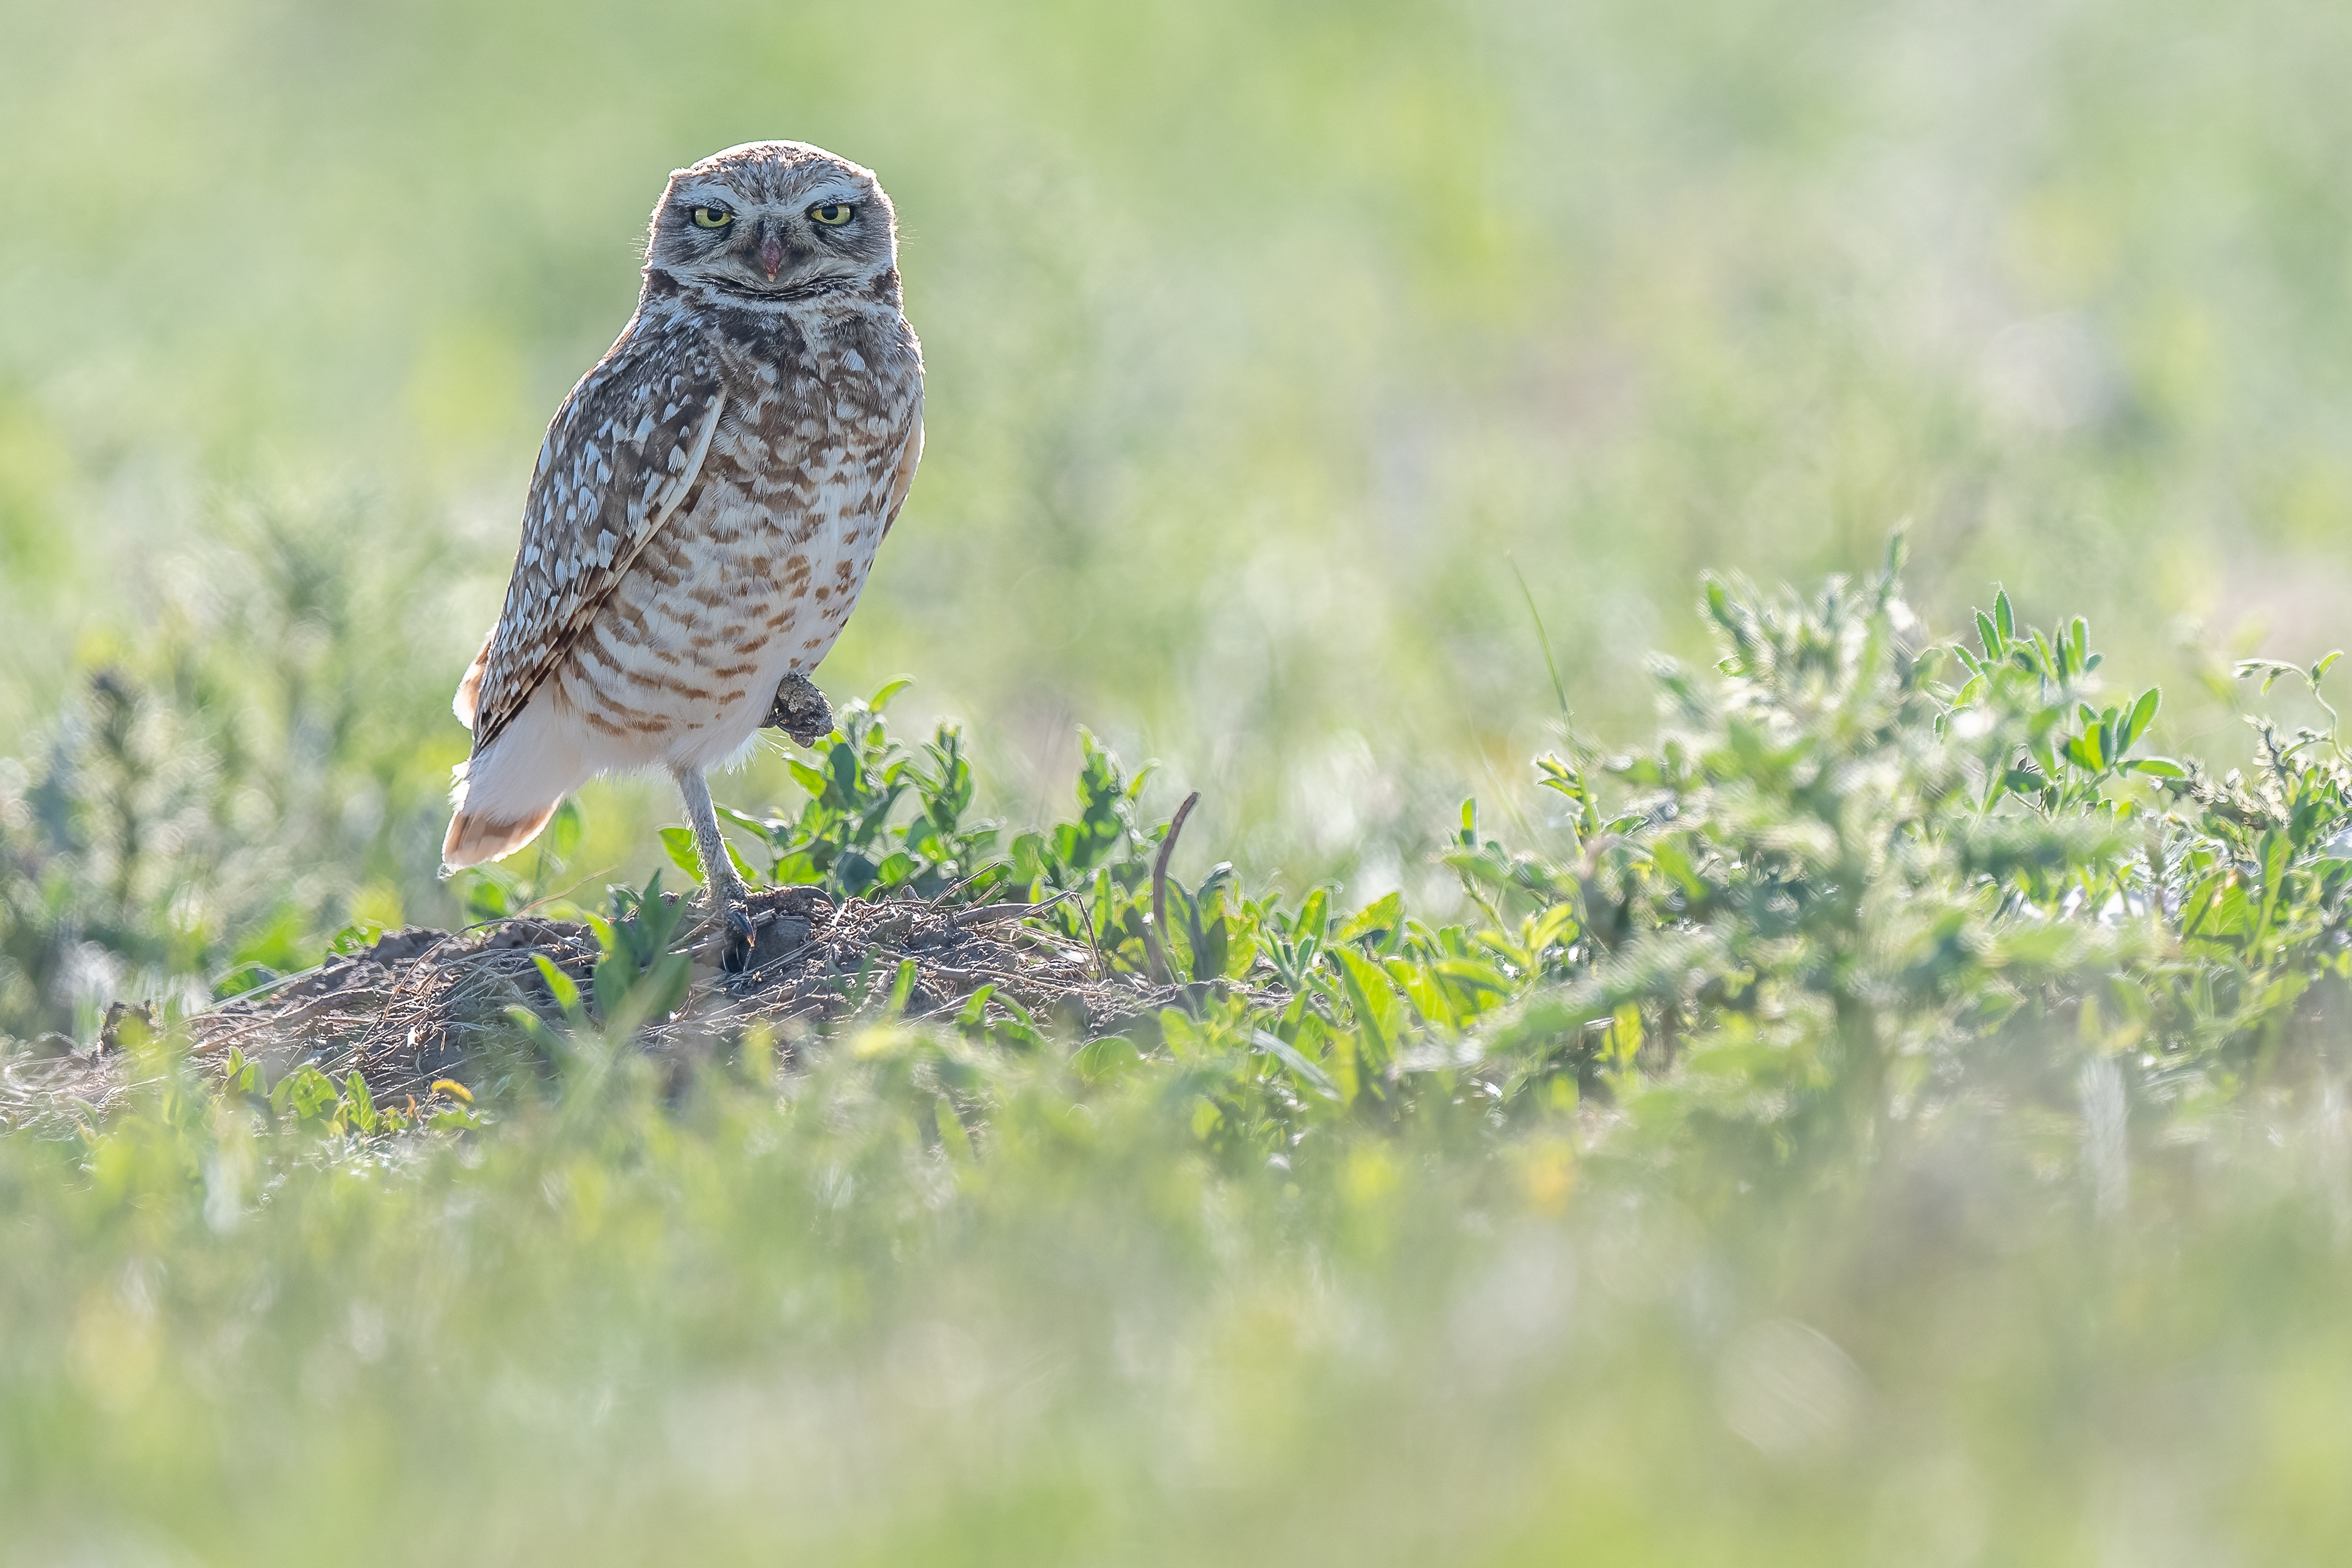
(756, 573)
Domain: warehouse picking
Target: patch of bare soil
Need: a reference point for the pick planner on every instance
(423, 1005)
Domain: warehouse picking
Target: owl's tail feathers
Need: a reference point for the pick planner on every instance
(474, 838)
(487, 832)
(507, 792)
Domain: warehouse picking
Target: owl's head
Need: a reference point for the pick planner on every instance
(773, 220)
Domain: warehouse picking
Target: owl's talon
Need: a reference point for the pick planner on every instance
(736, 955)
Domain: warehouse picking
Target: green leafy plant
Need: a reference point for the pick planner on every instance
(641, 976)
(1834, 892)
(845, 839)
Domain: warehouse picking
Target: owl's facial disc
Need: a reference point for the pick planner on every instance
(772, 219)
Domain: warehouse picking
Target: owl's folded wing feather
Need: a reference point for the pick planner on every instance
(623, 452)
(910, 455)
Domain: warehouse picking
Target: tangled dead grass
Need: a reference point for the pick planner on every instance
(422, 1006)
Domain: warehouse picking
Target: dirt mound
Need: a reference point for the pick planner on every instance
(418, 1005)
(422, 1005)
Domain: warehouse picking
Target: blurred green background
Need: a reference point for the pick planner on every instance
(1265, 343)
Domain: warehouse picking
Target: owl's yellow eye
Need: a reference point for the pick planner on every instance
(712, 217)
(832, 214)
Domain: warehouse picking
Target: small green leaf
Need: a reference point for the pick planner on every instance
(534, 1028)
(1313, 913)
(309, 1093)
(1378, 919)
(974, 1012)
(561, 985)
(808, 778)
(563, 832)
(748, 823)
(1287, 1054)
(363, 1114)
(485, 897)
(680, 842)
(2143, 713)
(663, 988)
(1557, 924)
(354, 936)
(1099, 1061)
(605, 938)
(1372, 998)
(1668, 855)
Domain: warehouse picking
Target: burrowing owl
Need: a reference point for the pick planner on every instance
(706, 503)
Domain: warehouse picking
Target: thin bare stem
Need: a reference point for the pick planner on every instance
(1161, 971)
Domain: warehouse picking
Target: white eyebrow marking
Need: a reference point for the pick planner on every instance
(708, 194)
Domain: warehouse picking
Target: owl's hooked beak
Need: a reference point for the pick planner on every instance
(771, 256)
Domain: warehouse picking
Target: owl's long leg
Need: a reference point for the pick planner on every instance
(727, 897)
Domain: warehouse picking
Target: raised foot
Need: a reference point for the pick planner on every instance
(800, 710)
